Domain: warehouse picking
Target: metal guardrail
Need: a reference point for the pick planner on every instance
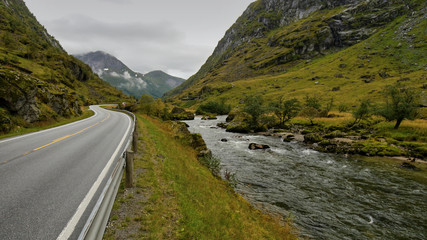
(98, 219)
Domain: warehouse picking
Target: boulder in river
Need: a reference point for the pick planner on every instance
(239, 124)
(224, 140)
(409, 166)
(288, 138)
(312, 138)
(255, 146)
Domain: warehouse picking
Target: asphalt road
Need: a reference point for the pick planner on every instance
(50, 180)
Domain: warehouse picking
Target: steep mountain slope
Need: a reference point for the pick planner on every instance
(115, 72)
(38, 79)
(347, 49)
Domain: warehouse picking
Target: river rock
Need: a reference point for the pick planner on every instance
(239, 124)
(409, 166)
(312, 138)
(209, 117)
(224, 140)
(255, 146)
(180, 114)
(288, 138)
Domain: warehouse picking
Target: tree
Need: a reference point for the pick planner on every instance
(158, 108)
(147, 104)
(363, 112)
(214, 107)
(329, 105)
(313, 101)
(312, 108)
(401, 103)
(253, 107)
(286, 110)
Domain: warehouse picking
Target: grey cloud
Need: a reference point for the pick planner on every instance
(142, 47)
(117, 1)
(174, 36)
(83, 27)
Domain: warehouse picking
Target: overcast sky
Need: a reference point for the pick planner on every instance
(176, 36)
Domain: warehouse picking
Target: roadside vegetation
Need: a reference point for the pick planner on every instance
(25, 127)
(178, 194)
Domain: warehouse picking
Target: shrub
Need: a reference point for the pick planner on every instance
(212, 163)
(286, 110)
(254, 107)
(363, 112)
(213, 107)
(342, 108)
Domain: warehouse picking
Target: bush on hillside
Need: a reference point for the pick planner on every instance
(213, 107)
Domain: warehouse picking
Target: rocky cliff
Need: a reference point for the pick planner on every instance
(39, 81)
(273, 36)
(115, 72)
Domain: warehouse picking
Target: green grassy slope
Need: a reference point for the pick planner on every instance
(277, 65)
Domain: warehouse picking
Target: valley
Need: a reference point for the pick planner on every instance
(113, 71)
(307, 121)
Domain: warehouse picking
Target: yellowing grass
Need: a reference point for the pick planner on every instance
(209, 208)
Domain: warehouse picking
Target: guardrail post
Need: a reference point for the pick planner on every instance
(135, 141)
(129, 169)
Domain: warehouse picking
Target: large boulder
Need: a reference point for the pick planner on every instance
(180, 114)
(312, 138)
(239, 124)
(409, 166)
(255, 146)
(209, 117)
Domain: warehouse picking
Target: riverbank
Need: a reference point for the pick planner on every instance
(329, 196)
(338, 135)
(176, 197)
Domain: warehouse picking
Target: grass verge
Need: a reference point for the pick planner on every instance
(176, 197)
(48, 124)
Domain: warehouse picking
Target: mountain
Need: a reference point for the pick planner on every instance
(115, 72)
(39, 81)
(346, 49)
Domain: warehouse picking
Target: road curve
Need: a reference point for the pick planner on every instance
(50, 180)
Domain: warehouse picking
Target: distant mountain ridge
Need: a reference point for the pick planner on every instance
(115, 72)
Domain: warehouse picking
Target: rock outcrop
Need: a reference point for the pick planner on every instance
(24, 95)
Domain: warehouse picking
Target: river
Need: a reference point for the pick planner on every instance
(327, 196)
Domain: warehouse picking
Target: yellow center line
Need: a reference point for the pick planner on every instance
(57, 140)
(67, 136)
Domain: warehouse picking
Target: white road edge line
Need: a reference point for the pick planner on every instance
(72, 223)
(50, 129)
